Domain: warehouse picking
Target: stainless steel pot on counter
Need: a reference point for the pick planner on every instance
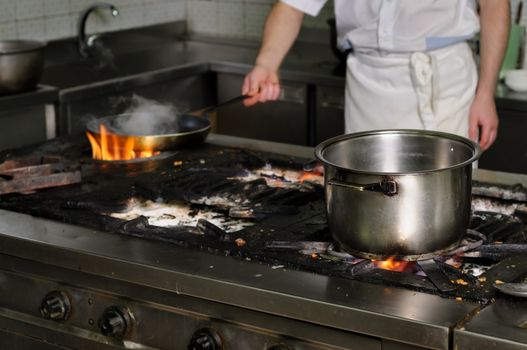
(402, 193)
(21, 65)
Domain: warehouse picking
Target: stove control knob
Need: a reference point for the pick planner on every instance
(280, 347)
(115, 322)
(205, 339)
(55, 306)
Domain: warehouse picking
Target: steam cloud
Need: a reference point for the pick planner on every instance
(148, 117)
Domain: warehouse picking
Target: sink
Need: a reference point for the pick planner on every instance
(168, 68)
(131, 53)
(175, 72)
(81, 71)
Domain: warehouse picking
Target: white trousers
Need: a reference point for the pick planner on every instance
(432, 90)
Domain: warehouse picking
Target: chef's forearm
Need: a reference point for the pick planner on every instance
(281, 29)
(495, 24)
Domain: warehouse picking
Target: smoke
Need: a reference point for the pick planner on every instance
(101, 57)
(148, 117)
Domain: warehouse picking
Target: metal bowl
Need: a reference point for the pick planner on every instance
(21, 64)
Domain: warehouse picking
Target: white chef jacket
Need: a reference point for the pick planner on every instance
(411, 67)
(399, 25)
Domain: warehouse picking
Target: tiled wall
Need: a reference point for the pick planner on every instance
(54, 19)
(240, 18)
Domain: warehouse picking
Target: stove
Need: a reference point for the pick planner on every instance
(226, 246)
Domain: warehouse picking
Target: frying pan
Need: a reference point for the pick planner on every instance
(188, 130)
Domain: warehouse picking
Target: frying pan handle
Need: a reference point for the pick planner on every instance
(224, 103)
(386, 186)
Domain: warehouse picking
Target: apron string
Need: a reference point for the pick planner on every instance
(422, 75)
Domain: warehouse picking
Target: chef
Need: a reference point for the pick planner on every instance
(410, 66)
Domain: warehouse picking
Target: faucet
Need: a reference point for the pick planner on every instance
(86, 43)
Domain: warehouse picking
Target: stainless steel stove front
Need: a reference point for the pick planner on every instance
(40, 310)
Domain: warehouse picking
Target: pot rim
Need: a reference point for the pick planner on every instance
(28, 46)
(325, 144)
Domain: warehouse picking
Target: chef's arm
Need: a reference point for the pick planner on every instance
(280, 31)
(495, 26)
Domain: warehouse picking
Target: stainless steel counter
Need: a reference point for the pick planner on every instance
(372, 311)
(383, 312)
(78, 80)
(510, 100)
(506, 318)
(42, 95)
(41, 102)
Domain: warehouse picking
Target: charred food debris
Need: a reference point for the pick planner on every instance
(285, 214)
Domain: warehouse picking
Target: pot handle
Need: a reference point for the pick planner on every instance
(386, 186)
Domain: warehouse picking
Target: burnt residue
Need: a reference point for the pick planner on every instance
(289, 214)
(515, 192)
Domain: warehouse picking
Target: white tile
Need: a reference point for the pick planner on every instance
(155, 12)
(104, 21)
(58, 27)
(74, 23)
(255, 15)
(28, 9)
(56, 7)
(7, 10)
(76, 6)
(8, 30)
(31, 29)
(203, 17)
(126, 3)
(131, 17)
(263, 2)
(177, 10)
(230, 19)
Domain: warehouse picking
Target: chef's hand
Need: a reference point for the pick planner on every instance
(262, 85)
(483, 118)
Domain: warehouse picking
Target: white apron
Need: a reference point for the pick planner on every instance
(423, 90)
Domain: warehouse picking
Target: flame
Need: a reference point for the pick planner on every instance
(310, 176)
(115, 147)
(394, 265)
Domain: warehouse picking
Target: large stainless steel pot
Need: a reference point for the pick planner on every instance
(403, 193)
(21, 64)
